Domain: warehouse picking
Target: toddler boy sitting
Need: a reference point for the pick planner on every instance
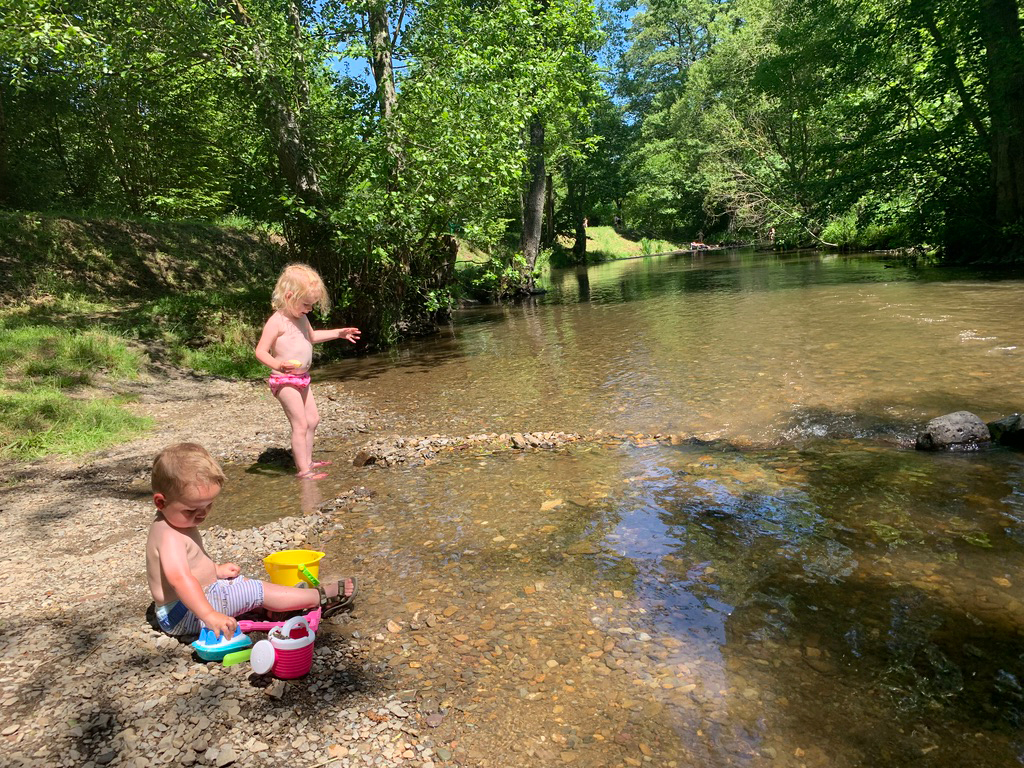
(189, 588)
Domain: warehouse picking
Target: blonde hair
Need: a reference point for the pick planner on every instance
(302, 282)
(182, 466)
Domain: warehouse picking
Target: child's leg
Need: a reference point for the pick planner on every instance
(312, 421)
(294, 403)
(279, 598)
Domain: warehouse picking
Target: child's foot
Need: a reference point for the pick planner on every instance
(343, 599)
(309, 474)
(318, 464)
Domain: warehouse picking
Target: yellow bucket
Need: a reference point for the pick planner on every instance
(284, 567)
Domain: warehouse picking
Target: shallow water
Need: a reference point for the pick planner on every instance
(802, 589)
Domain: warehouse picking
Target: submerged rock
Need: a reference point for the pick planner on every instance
(1008, 431)
(961, 430)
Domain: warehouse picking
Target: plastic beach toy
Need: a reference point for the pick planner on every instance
(292, 567)
(287, 652)
(237, 657)
(212, 647)
(312, 619)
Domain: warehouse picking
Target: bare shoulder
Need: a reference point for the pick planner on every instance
(275, 322)
(163, 535)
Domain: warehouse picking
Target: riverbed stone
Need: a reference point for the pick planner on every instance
(961, 430)
(1008, 431)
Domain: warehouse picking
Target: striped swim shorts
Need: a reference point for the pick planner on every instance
(231, 597)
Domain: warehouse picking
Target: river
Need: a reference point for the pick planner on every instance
(777, 579)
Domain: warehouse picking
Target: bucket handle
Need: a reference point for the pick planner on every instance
(308, 575)
(293, 623)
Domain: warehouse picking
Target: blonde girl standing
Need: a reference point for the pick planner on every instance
(286, 347)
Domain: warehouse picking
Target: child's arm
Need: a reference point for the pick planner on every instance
(348, 334)
(271, 331)
(174, 565)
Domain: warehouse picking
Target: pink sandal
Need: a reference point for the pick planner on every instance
(318, 464)
(309, 474)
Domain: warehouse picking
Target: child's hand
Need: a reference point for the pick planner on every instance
(221, 624)
(349, 334)
(228, 570)
(289, 365)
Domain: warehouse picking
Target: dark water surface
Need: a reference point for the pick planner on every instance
(798, 588)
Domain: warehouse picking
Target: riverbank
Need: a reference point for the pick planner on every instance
(85, 681)
(443, 663)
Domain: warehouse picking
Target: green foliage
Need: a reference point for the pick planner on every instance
(209, 331)
(864, 124)
(493, 280)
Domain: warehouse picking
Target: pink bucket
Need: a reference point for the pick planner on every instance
(289, 652)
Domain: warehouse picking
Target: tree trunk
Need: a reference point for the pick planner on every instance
(573, 201)
(533, 201)
(380, 58)
(999, 24)
(549, 212)
(6, 191)
(310, 235)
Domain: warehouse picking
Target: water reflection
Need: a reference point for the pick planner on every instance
(796, 590)
(755, 350)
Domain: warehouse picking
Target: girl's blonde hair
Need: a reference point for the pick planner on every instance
(302, 282)
(177, 468)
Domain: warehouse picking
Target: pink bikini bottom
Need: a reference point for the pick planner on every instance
(279, 380)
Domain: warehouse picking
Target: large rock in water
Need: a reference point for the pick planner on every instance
(954, 431)
(1008, 431)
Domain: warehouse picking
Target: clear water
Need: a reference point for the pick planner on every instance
(796, 587)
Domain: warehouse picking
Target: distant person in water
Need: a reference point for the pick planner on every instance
(286, 347)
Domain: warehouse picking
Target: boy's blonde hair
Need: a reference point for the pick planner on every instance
(303, 282)
(182, 466)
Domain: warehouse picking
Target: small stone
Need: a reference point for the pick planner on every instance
(226, 756)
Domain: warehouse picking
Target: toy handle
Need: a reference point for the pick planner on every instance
(294, 623)
(308, 575)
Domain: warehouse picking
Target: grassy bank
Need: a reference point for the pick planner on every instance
(78, 297)
(44, 371)
(609, 244)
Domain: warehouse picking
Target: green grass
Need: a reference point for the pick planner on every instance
(46, 354)
(41, 368)
(208, 331)
(80, 294)
(45, 421)
(608, 244)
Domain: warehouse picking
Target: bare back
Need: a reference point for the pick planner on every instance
(165, 541)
